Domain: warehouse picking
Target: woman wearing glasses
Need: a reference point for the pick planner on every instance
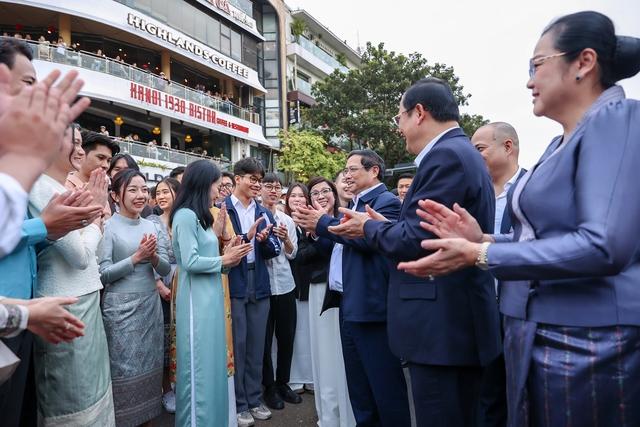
(331, 395)
(570, 270)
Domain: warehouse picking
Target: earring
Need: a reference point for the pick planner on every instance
(578, 78)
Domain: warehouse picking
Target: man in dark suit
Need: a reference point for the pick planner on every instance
(377, 388)
(499, 146)
(445, 329)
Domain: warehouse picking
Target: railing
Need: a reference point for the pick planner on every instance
(309, 46)
(162, 153)
(303, 86)
(89, 61)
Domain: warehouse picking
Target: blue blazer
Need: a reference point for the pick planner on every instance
(452, 320)
(583, 203)
(265, 250)
(365, 272)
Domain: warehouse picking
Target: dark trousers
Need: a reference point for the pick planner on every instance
(282, 321)
(248, 319)
(377, 388)
(493, 395)
(443, 396)
(12, 392)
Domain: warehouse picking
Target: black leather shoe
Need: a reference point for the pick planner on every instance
(272, 398)
(288, 395)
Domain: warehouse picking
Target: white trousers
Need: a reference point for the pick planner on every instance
(329, 379)
(301, 366)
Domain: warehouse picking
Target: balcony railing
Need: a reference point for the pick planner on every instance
(166, 154)
(309, 46)
(303, 86)
(123, 70)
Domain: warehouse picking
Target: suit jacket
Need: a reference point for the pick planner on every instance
(451, 320)
(506, 224)
(264, 250)
(365, 272)
(583, 204)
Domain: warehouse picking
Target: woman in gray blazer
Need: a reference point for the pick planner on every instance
(571, 269)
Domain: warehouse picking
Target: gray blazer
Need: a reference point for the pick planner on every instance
(574, 256)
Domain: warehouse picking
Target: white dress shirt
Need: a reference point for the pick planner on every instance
(13, 207)
(246, 216)
(280, 275)
(335, 269)
(430, 145)
(501, 202)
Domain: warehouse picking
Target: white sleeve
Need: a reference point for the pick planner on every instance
(13, 207)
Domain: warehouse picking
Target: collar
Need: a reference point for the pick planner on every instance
(511, 181)
(430, 145)
(74, 182)
(361, 195)
(238, 204)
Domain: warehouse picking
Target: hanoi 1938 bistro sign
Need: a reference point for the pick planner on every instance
(181, 106)
(181, 42)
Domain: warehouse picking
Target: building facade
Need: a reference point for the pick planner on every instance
(182, 78)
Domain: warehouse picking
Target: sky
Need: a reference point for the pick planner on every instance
(488, 43)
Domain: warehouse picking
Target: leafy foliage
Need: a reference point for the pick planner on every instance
(305, 155)
(359, 105)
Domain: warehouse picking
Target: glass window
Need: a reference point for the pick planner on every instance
(213, 34)
(269, 23)
(200, 24)
(225, 30)
(225, 45)
(159, 10)
(270, 69)
(236, 46)
(249, 52)
(269, 50)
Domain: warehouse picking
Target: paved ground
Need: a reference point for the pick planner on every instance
(302, 415)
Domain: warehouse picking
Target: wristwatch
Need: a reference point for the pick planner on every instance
(482, 261)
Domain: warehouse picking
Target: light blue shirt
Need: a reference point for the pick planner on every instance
(501, 202)
(335, 265)
(430, 145)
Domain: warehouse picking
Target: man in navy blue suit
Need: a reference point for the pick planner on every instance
(499, 146)
(445, 329)
(377, 388)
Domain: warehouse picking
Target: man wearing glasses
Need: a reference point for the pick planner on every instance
(446, 329)
(227, 184)
(377, 388)
(250, 288)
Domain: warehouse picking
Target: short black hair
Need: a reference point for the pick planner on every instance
(91, 139)
(229, 175)
(10, 47)
(369, 159)
(131, 163)
(435, 96)
(336, 199)
(248, 165)
(271, 177)
(406, 175)
(196, 184)
(177, 171)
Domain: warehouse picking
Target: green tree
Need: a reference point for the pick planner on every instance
(359, 105)
(304, 155)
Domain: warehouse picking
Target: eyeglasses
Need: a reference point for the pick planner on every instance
(324, 192)
(351, 170)
(271, 187)
(228, 186)
(253, 179)
(534, 63)
(396, 118)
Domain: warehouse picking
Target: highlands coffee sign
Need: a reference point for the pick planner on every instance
(236, 14)
(179, 41)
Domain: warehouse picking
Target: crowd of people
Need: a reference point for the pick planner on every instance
(482, 294)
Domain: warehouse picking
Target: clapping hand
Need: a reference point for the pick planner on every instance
(235, 251)
(50, 320)
(67, 212)
(351, 224)
(264, 234)
(147, 249)
(98, 185)
(447, 223)
(220, 224)
(281, 232)
(307, 217)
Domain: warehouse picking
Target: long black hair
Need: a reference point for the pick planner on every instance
(195, 191)
(122, 180)
(293, 186)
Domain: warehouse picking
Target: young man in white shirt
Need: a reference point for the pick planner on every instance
(282, 315)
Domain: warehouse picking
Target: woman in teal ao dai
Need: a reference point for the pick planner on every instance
(201, 387)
